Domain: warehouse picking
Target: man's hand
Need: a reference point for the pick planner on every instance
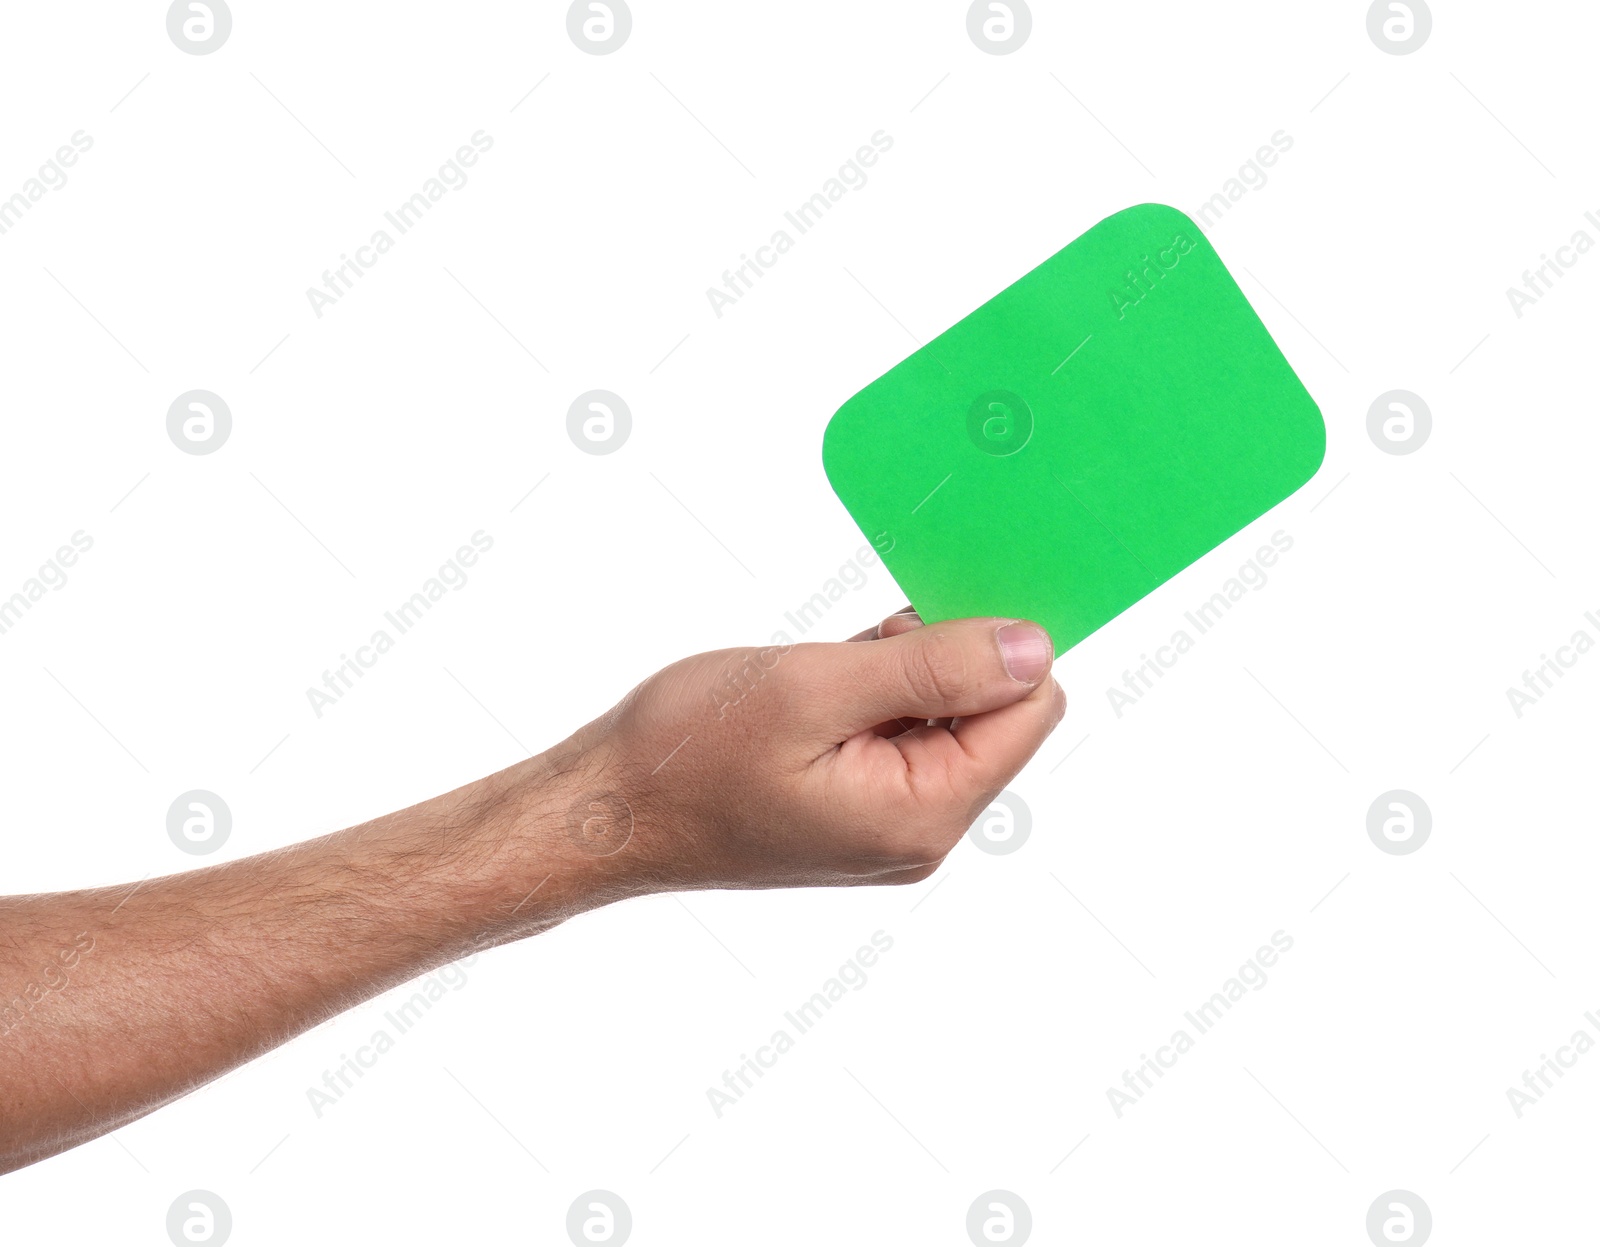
(818, 764)
(814, 764)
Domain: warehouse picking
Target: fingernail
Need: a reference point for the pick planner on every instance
(1025, 650)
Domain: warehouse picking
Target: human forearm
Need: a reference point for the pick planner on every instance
(177, 980)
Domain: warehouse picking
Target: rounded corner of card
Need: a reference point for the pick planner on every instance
(830, 440)
(1318, 428)
(1152, 213)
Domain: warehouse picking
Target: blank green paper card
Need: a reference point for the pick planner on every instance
(1081, 438)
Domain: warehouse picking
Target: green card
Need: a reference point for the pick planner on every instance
(1079, 439)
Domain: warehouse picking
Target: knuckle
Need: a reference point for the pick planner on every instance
(935, 671)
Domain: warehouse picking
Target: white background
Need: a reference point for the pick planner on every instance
(1223, 807)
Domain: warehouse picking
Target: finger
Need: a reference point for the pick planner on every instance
(968, 767)
(903, 620)
(899, 623)
(998, 744)
(953, 669)
(895, 727)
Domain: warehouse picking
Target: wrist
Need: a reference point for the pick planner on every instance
(549, 840)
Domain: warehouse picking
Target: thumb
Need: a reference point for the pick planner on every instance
(945, 670)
